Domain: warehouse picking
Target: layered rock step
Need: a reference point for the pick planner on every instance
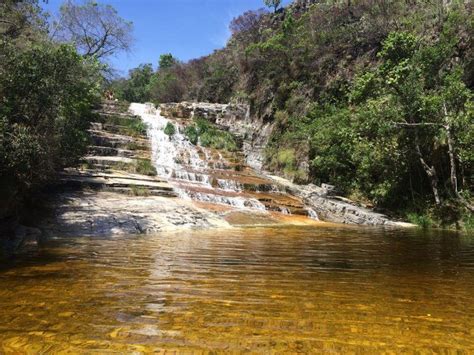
(115, 190)
(210, 175)
(131, 184)
(237, 178)
(103, 213)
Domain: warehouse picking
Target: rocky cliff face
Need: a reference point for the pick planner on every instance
(255, 134)
(116, 190)
(234, 118)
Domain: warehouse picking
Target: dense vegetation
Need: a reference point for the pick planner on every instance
(48, 91)
(208, 135)
(372, 96)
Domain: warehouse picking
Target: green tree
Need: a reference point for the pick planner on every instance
(47, 92)
(166, 61)
(136, 88)
(167, 85)
(170, 129)
(275, 4)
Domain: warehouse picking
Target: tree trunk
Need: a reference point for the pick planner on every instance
(429, 170)
(452, 162)
(452, 158)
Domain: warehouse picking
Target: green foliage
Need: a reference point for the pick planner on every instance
(135, 89)
(130, 126)
(398, 46)
(47, 94)
(139, 191)
(288, 146)
(286, 158)
(170, 129)
(145, 167)
(166, 61)
(468, 222)
(423, 221)
(143, 84)
(204, 133)
(211, 136)
(192, 134)
(165, 86)
(272, 3)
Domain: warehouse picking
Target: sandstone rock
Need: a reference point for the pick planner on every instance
(232, 117)
(101, 213)
(335, 209)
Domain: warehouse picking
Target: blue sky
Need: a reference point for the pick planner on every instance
(186, 28)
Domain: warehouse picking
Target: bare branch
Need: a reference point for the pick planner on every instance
(95, 29)
(414, 125)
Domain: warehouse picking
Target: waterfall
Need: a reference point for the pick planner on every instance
(203, 174)
(166, 149)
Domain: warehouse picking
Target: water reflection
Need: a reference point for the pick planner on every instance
(254, 289)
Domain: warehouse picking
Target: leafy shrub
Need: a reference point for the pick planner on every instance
(468, 222)
(208, 135)
(170, 129)
(422, 220)
(139, 191)
(47, 94)
(135, 89)
(192, 134)
(130, 126)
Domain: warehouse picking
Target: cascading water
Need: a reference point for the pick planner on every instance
(205, 175)
(312, 214)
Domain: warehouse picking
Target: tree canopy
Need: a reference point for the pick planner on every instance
(48, 92)
(275, 4)
(95, 29)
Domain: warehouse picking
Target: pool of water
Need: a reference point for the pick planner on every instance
(253, 289)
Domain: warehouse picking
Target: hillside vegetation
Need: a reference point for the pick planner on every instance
(372, 96)
(48, 89)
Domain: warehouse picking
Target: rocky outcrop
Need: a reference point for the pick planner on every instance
(102, 213)
(255, 133)
(335, 208)
(110, 195)
(234, 118)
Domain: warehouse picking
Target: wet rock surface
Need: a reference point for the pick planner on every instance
(192, 187)
(274, 193)
(337, 209)
(235, 118)
(104, 213)
(107, 196)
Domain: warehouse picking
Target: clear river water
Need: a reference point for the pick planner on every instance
(283, 289)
